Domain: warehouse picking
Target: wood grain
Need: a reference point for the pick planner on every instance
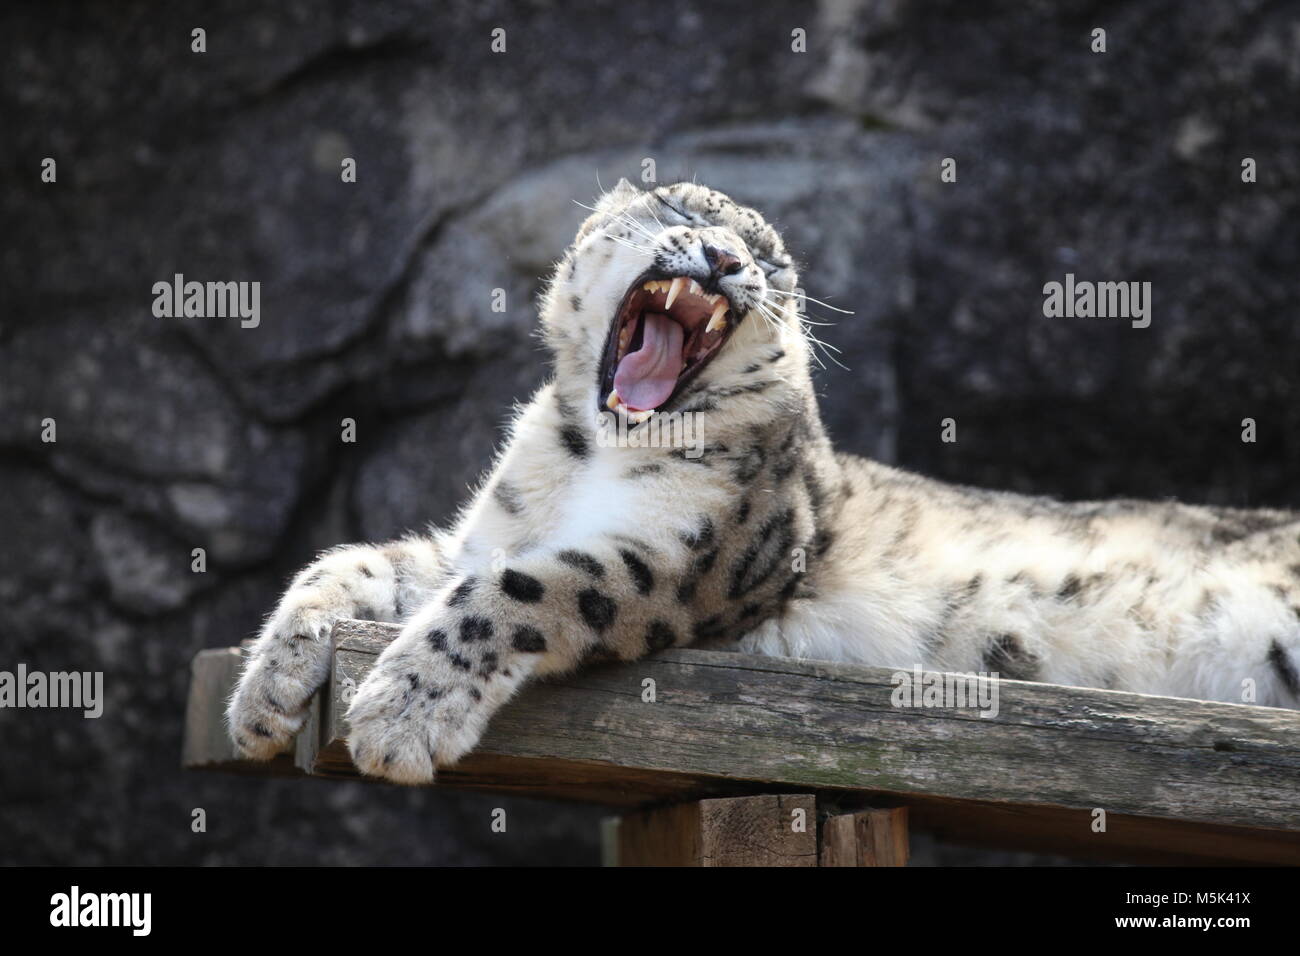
(867, 838)
(764, 830)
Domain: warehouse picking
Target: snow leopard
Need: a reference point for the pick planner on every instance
(677, 304)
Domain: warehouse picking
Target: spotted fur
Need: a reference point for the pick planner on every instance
(574, 551)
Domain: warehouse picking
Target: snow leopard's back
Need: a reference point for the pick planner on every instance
(1152, 597)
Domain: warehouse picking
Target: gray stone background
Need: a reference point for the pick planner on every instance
(175, 433)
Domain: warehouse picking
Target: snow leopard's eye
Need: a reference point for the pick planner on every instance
(674, 211)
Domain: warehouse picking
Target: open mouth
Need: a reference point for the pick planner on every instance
(665, 332)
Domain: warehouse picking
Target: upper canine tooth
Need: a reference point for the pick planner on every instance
(678, 285)
(716, 321)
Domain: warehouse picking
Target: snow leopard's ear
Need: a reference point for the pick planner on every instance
(623, 191)
(610, 201)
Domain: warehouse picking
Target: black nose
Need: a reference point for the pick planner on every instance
(722, 262)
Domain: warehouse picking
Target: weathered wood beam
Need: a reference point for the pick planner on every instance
(1178, 780)
(765, 830)
(867, 838)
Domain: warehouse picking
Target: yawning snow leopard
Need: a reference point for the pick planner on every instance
(678, 304)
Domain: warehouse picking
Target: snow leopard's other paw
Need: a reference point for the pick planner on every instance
(429, 698)
(291, 658)
(283, 670)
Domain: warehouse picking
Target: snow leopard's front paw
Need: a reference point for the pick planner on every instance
(283, 670)
(291, 659)
(261, 723)
(429, 697)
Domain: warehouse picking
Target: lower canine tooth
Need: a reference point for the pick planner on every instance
(613, 401)
(716, 321)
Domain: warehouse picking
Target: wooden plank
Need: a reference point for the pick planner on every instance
(609, 827)
(212, 677)
(764, 830)
(774, 720)
(868, 838)
(1179, 780)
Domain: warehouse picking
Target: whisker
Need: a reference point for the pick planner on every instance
(627, 220)
(643, 230)
(796, 314)
(802, 323)
(801, 295)
(825, 347)
(773, 323)
(651, 199)
(631, 245)
(621, 217)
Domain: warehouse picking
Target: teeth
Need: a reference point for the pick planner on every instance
(696, 288)
(615, 402)
(716, 321)
(675, 289)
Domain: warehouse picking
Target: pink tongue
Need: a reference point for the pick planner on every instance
(646, 377)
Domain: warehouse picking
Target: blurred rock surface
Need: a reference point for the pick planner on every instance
(176, 434)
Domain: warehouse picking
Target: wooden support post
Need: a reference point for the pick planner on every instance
(868, 838)
(768, 830)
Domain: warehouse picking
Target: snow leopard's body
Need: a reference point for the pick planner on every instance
(573, 548)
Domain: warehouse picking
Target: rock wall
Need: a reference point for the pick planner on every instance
(174, 434)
